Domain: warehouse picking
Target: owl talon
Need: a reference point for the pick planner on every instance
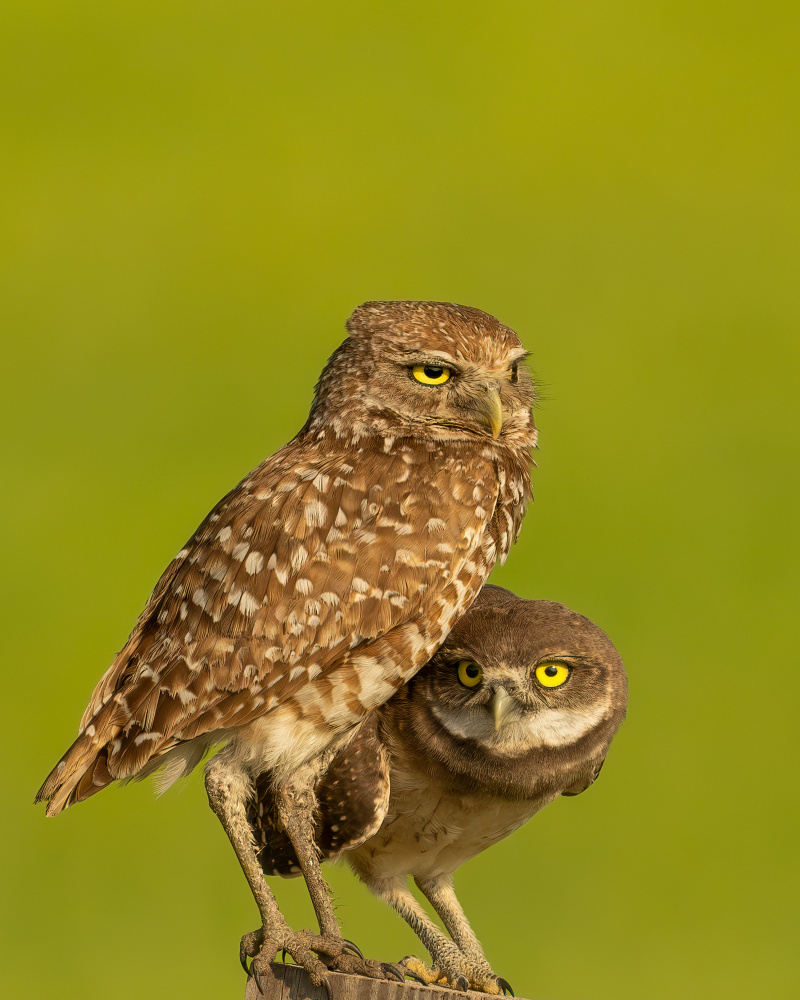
(249, 947)
(409, 972)
(412, 966)
(393, 972)
(353, 949)
(462, 983)
(505, 986)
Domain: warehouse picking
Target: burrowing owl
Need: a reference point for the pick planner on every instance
(518, 706)
(320, 584)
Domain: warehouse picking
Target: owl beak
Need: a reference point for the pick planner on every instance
(490, 411)
(501, 704)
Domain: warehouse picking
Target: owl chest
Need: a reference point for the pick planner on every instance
(430, 831)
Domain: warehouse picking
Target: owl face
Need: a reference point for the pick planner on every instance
(433, 368)
(543, 697)
(435, 390)
(517, 680)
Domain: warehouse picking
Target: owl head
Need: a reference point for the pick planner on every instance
(431, 369)
(522, 694)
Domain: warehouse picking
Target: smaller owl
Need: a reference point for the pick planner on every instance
(517, 707)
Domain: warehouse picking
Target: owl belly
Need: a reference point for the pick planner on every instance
(430, 831)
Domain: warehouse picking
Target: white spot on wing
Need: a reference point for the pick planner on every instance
(254, 563)
(248, 605)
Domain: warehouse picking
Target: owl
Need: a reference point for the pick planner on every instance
(518, 706)
(318, 587)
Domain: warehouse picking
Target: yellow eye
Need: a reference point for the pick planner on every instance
(469, 673)
(552, 675)
(430, 374)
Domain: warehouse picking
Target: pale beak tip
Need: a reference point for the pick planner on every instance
(500, 705)
(493, 412)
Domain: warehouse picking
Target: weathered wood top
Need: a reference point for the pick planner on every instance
(290, 982)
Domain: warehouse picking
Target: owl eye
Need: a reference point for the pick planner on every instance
(469, 673)
(552, 675)
(431, 374)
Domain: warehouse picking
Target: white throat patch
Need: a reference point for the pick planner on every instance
(554, 727)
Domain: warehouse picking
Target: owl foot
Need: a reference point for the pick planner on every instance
(457, 973)
(354, 966)
(340, 955)
(316, 953)
(262, 945)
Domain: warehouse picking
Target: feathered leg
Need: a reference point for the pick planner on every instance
(297, 804)
(228, 789)
(441, 894)
(450, 966)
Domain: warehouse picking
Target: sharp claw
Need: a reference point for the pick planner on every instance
(353, 948)
(283, 954)
(416, 978)
(462, 983)
(393, 971)
(327, 987)
(410, 974)
(505, 986)
(243, 963)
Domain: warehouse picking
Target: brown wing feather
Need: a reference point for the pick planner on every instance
(353, 794)
(278, 581)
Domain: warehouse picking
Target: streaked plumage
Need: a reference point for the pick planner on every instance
(441, 772)
(329, 575)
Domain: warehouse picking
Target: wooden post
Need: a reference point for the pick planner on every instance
(290, 982)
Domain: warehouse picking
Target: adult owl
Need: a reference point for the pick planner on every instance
(320, 584)
(518, 706)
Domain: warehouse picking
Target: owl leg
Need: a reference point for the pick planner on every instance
(450, 966)
(441, 894)
(228, 789)
(297, 803)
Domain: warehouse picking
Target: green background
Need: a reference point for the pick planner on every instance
(196, 195)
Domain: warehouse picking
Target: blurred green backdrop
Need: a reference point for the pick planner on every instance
(196, 195)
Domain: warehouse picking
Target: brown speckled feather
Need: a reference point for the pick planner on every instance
(329, 575)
